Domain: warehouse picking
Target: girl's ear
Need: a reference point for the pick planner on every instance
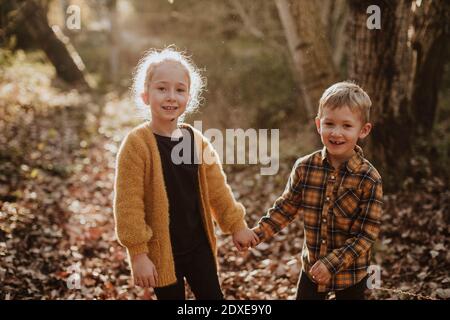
(365, 130)
(317, 121)
(144, 96)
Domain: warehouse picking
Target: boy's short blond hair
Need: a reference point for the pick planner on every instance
(346, 93)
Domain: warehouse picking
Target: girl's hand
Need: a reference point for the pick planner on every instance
(144, 271)
(245, 238)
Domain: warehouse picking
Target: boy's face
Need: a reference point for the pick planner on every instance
(339, 130)
(168, 91)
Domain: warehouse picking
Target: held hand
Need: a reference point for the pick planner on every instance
(144, 271)
(245, 238)
(320, 273)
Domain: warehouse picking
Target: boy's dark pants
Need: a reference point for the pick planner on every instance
(199, 268)
(307, 290)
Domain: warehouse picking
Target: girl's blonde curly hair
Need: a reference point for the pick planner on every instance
(145, 69)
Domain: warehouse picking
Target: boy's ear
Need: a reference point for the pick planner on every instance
(365, 130)
(144, 96)
(317, 121)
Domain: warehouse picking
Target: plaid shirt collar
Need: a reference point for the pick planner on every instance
(353, 164)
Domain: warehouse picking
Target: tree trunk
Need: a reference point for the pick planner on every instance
(63, 4)
(430, 43)
(309, 49)
(56, 50)
(334, 16)
(400, 66)
(114, 41)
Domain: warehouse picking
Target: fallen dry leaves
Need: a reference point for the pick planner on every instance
(57, 236)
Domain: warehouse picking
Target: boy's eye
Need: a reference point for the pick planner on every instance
(328, 123)
(161, 88)
(347, 125)
(181, 90)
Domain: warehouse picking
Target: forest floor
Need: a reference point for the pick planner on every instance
(57, 236)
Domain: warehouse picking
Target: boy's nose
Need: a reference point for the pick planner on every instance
(336, 132)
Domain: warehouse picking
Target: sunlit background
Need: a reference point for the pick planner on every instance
(65, 107)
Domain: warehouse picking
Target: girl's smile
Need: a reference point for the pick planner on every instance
(169, 108)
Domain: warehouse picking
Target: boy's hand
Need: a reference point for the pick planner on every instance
(320, 273)
(245, 238)
(144, 271)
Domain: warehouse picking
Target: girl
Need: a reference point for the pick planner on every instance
(163, 207)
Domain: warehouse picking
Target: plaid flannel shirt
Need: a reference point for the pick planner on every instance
(341, 209)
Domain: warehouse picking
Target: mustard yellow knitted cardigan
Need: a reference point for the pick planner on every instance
(141, 208)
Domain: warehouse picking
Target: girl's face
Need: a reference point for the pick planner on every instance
(168, 91)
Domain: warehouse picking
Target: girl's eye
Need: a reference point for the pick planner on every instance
(347, 126)
(181, 90)
(161, 88)
(328, 124)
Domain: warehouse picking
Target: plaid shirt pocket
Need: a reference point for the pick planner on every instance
(346, 203)
(346, 209)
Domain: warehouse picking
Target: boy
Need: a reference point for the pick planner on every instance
(339, 195)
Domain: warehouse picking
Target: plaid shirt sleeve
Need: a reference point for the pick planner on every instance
(285, 208)
(366, 229)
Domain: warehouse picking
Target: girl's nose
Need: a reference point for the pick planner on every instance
(171, 95)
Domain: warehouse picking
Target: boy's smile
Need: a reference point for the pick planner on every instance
(339, 129)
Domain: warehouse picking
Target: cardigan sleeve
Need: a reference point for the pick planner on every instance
(227, 212)
(131, 229)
